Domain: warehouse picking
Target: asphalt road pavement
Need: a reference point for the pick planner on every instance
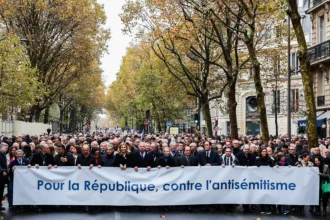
(123, 213)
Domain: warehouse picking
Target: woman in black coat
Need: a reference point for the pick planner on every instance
(264, 160)
(124, 157)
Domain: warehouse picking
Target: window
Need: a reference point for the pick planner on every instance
(321, 29)
(295, 64)
(276, 102)
(320, 83)
(294, 100)
(277, 64)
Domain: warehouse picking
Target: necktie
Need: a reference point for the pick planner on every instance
(188, 161)
(228, 161)
(208, 154)
(20, 162)
(141, 155)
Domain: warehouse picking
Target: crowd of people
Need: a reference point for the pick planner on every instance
(163, 150)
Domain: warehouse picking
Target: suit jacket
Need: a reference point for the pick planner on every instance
(3, 163)
(214, 159)
(249, 160)
(161, 162)
(233, 159)
(146, 161)
(196, 154)
(15, 162)
(154, 156)
(3, 168)
(68, 156)
(193, 161)
(42, 159)
(85, 161)
(107, 160)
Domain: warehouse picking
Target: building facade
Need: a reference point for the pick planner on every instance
(319, 56)
(276, 94)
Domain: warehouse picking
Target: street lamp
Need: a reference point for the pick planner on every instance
(289, 81)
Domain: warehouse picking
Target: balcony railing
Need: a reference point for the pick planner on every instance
(320, 100)
(319, 51)
(313, 3)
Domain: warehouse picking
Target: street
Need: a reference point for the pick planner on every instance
(119, 213)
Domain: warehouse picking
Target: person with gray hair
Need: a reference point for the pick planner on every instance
(3, 169)
(19, 161)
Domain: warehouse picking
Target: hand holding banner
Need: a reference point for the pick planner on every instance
(173, 186)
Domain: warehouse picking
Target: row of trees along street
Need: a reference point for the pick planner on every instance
(50, 56)
(191, 52)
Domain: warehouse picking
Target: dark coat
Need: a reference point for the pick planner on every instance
(68, 156)
(107, 160)
(195, 154)
(154, 157)
(42, 159)
(146, 161)
(85, 161)
(3, 168)
(232, 159)
(15, 162)
(292, 160)
(3, 163)
(264, 161)
(237, 151)
(161, 162)
(249, 160)
(120, 160)
(214, 159)
(193, 161)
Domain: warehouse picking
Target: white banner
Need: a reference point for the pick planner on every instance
(173, 186)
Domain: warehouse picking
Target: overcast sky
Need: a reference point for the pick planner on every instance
(118, 42)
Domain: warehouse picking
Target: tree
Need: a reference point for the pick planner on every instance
(224, 31)
(18, 82)
(183, 46)
(61, 37)
(306, 73)
(143, 83)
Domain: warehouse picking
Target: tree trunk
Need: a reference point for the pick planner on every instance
(73, 120)
(307, 75)
(259, 91)
(37, 114)
(61, 118)
(159, 125)
(232, 104)
(207, 118)
(46, 116)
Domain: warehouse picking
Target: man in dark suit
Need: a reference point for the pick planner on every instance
(19, 161)
(44, 158)
(187, 159)
(63, 158)
(86, 158)
(245, 158)
(193, 148)
(209, 157)
(174, 153)
(108, 159)
(3, 170)
(154, 153)
(141, 159)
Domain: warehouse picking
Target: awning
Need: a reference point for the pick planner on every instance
(320, 116)
(303, 123)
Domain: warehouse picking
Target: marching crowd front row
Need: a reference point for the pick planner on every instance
(161, 151)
